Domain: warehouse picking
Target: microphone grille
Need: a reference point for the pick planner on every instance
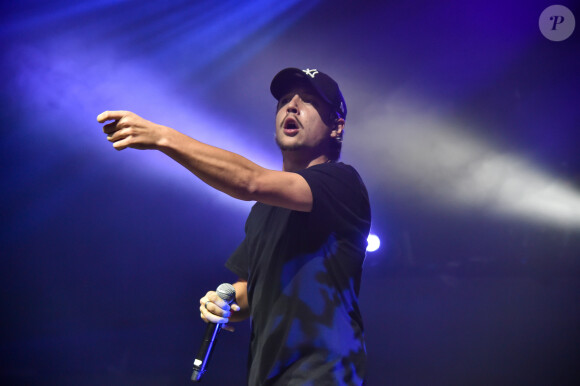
(227, 292)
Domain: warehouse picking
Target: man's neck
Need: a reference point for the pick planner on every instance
(292, 161)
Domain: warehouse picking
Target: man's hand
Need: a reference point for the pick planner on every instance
(130, 130)
(214, 309)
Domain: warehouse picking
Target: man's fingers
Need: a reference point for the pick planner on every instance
(209, 316)
(111, 115)
(110, 127)
(117, 135)
(122, 143)
(120, 138)
(213, 297)
(214, 309)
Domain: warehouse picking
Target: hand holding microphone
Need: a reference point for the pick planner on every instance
(215, 310)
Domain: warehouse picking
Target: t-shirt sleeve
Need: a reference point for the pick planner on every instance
(340, 198)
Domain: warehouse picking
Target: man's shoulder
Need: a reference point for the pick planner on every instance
(336, 181)
(338, 170)
(339, 167)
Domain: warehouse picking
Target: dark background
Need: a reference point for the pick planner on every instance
(463, 120)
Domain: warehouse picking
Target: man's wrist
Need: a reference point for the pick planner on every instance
(166, 140)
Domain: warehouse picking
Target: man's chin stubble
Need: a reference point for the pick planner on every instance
(283, 147)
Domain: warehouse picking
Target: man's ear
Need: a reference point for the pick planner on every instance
(338, 128)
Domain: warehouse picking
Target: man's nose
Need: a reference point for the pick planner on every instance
(292, 106)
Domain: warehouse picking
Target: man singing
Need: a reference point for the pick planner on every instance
(300, 264)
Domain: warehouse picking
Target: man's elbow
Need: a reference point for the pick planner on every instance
(249, 188)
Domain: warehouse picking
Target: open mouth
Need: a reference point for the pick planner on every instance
(291, 126)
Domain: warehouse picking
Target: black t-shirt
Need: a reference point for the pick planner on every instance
(303, 272)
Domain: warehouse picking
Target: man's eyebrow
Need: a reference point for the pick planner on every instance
(302, 93)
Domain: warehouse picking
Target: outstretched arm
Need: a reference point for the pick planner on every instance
(226, 171)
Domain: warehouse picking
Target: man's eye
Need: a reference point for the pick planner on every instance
(311, 101)
(282, 102)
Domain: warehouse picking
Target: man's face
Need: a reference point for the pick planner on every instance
(299, 123)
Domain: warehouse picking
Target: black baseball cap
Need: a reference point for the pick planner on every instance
(326, 87)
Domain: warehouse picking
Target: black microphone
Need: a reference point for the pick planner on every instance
(227, 292)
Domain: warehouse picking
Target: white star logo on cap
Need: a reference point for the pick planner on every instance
(310, 72)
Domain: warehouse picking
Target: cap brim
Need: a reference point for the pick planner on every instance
(287, 78)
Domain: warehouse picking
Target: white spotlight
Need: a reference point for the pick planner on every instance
(373, 243)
